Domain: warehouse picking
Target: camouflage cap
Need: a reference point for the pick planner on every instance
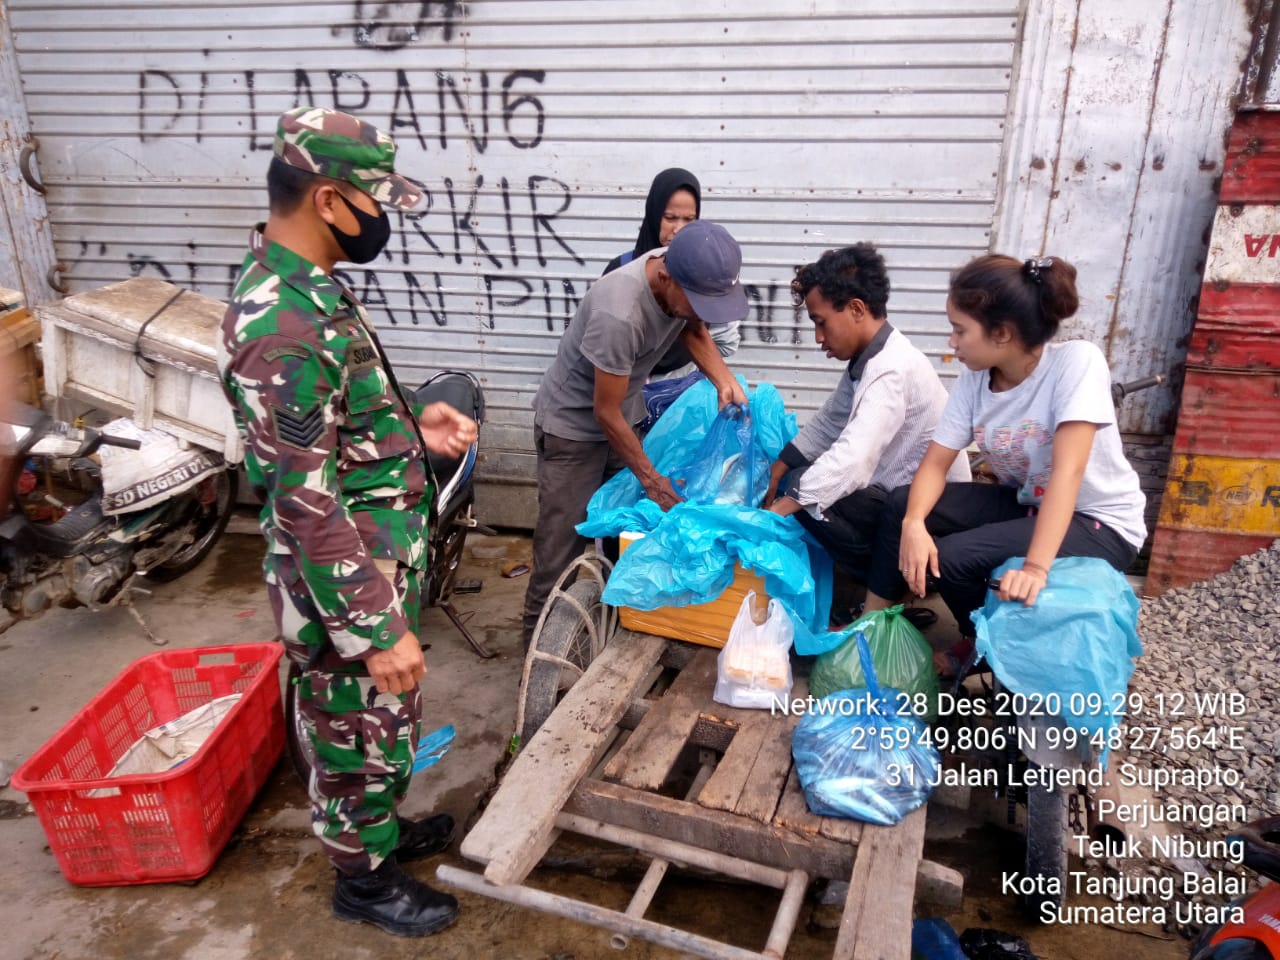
(344, 147)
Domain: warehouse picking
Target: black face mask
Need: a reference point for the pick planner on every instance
(374, 233)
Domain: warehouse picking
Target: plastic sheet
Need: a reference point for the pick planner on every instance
(1074, 647)
(862, 754)
(673, 444)
(689, 552)
(902, 656)
(433, 747)
(129, 477)
(170, 744)
(754, 666)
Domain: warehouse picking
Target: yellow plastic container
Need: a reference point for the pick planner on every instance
(704, 623)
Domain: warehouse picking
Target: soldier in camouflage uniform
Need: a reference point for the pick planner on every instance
(337, 455)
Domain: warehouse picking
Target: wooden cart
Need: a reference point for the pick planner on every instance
(604, 764)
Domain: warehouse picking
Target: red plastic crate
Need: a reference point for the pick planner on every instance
(164, 826)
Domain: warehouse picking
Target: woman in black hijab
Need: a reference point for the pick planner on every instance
(675, 199)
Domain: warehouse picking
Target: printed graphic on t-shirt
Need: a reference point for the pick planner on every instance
(1016, 456)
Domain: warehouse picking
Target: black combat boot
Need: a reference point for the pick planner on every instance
(391, 899)
(422, 838)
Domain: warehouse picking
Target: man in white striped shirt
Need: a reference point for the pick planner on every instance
(870, 435)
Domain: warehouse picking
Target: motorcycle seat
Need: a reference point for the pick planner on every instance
(1262, 846)
(463, 394)
(62, 538)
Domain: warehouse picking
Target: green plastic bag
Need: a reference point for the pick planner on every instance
(902, 656)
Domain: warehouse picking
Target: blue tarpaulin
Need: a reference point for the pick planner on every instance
(688, 553)
(1074, 647)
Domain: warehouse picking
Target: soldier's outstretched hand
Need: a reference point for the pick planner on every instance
(445, 430)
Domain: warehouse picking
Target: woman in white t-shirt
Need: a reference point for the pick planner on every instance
(1041, 412)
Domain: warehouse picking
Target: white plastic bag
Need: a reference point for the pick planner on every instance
(162, 468)
(755, 664)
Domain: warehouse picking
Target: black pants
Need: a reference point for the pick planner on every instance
(848, 529)
(977, 527)
(569, 472)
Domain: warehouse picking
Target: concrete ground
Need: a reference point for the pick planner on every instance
(267, 896)
(268, 893)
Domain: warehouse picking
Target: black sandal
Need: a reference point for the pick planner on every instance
(840, 619)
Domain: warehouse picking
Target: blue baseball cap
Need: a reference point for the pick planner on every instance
(706, 262)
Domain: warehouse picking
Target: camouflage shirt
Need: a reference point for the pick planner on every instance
(330, 444)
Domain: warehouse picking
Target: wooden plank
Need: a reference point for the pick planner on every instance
(794, 814)
(713, 732)
(678, 942)
(732, 772)
(876, 924)
(513, 833)
(686, 822)
(20, 329)
(838, 828)
(646, 759)
(768, 777)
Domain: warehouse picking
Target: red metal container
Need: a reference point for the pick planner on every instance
(165, 826)
(1222, 499)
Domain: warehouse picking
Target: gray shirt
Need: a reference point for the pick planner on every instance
(618, 328)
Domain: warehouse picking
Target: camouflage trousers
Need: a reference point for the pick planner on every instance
(363, 740)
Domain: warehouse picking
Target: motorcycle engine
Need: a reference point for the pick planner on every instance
(95, 585)
(65, 583)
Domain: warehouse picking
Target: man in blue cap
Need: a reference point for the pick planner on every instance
(590, 400)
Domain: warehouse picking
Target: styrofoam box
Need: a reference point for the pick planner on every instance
(90, 341)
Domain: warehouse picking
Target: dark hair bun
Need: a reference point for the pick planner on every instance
(1058, 296)
(1031, 297)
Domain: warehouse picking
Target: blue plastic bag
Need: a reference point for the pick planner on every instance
(433, 747)
(689, 558)
(728, 466)
(673, 443)
(689, 552)
(863, 754)
(1075, 647)
(935, 939)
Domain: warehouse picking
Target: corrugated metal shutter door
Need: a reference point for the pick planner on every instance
(1223, 497)
(537, 127)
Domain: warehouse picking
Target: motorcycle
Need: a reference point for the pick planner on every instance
(452, 517)
(1257, 935)
(88, 554)
(453, 512)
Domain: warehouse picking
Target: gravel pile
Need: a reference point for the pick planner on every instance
(1219, 636)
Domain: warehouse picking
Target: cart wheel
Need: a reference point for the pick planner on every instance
(302, 752)
(1046, 848)
(572, 633)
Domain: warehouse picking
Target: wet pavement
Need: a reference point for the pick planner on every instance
(267, 896)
